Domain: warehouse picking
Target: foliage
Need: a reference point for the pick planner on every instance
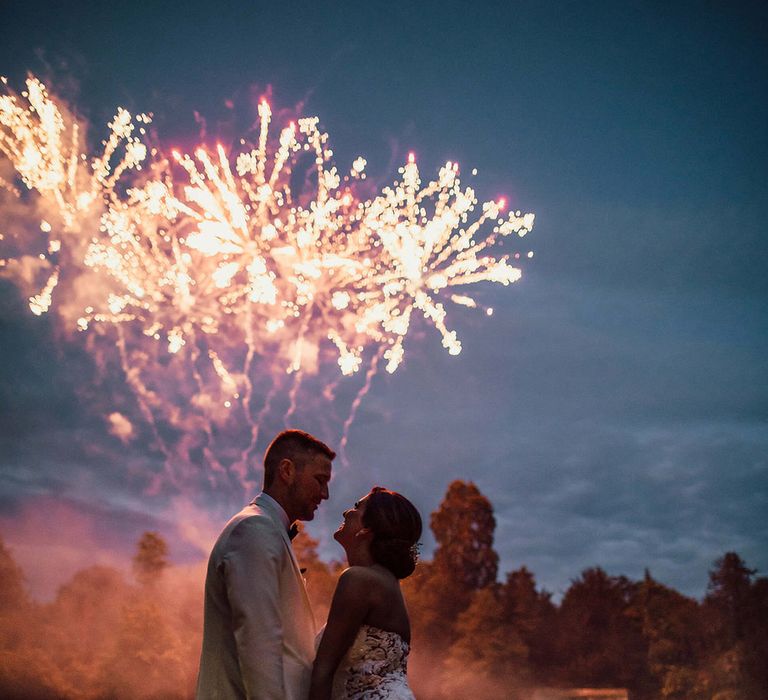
(441, 590)
(472, 635)
(488, 648)
(464, 560)
(13, 594)
(319, 576)
(673, 629)
(463, 526)
(600, 632)
(735, 614)
(532, 614)
(151, 558)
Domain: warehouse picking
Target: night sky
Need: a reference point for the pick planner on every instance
(614, 408)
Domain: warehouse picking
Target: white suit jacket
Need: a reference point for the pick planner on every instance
(258, 629)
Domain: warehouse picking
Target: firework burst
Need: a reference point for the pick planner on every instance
(225, 279)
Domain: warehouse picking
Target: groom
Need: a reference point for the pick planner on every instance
(258, 631)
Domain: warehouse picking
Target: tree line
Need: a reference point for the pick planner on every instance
(474, 633)
(501, 639)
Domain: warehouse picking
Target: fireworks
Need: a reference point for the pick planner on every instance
(215, 271)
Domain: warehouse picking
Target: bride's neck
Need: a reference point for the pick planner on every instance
(360, 556)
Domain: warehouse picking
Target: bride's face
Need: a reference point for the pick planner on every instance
(352, 523)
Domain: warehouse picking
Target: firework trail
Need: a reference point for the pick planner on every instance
(226, 279)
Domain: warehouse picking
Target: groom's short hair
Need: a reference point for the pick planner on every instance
(295, 445)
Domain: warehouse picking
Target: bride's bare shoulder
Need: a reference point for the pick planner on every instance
(364, 577)
(354, 587)
(359, 573)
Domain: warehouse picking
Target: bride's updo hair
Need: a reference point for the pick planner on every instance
(396, 527)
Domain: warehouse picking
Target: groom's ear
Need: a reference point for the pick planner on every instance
(286, 470)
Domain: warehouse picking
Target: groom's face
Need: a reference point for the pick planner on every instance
(310, 486)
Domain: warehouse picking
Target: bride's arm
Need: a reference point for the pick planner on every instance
(351, 602)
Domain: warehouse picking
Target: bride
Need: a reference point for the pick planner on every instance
(364, 648)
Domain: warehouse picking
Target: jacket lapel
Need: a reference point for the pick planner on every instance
(297, 572)
(269, 509)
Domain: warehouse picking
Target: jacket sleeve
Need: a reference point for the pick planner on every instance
(252, 564)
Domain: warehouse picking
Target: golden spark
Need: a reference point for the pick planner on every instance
(208, 264)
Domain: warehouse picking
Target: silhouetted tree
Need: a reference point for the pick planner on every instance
(145, 660)
(441, 590)
(80, 624)
(151, 558)
(179, 596)
(737, 659)
(756, 636)
(464, 559)
(532, 615)
(463, 526)
(489, 657)
(25, 669)
(427, 650)
(13, 592)
(600, 632)
(673, 630)
(321, 578)
(472, 637)
(727, 596)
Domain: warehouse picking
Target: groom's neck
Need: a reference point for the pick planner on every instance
(281, 499)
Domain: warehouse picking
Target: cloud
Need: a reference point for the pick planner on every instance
(671, 499)
(599, 441)
(120, 427)
(51, 540)
(622, 430)
(678, 247)
(193, 524)
(613, 408)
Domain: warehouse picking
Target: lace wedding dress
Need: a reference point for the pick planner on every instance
(374, 668)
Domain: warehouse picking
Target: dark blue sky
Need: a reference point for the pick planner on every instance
(614, 408)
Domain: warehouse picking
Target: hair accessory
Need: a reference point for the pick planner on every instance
(416, 551)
